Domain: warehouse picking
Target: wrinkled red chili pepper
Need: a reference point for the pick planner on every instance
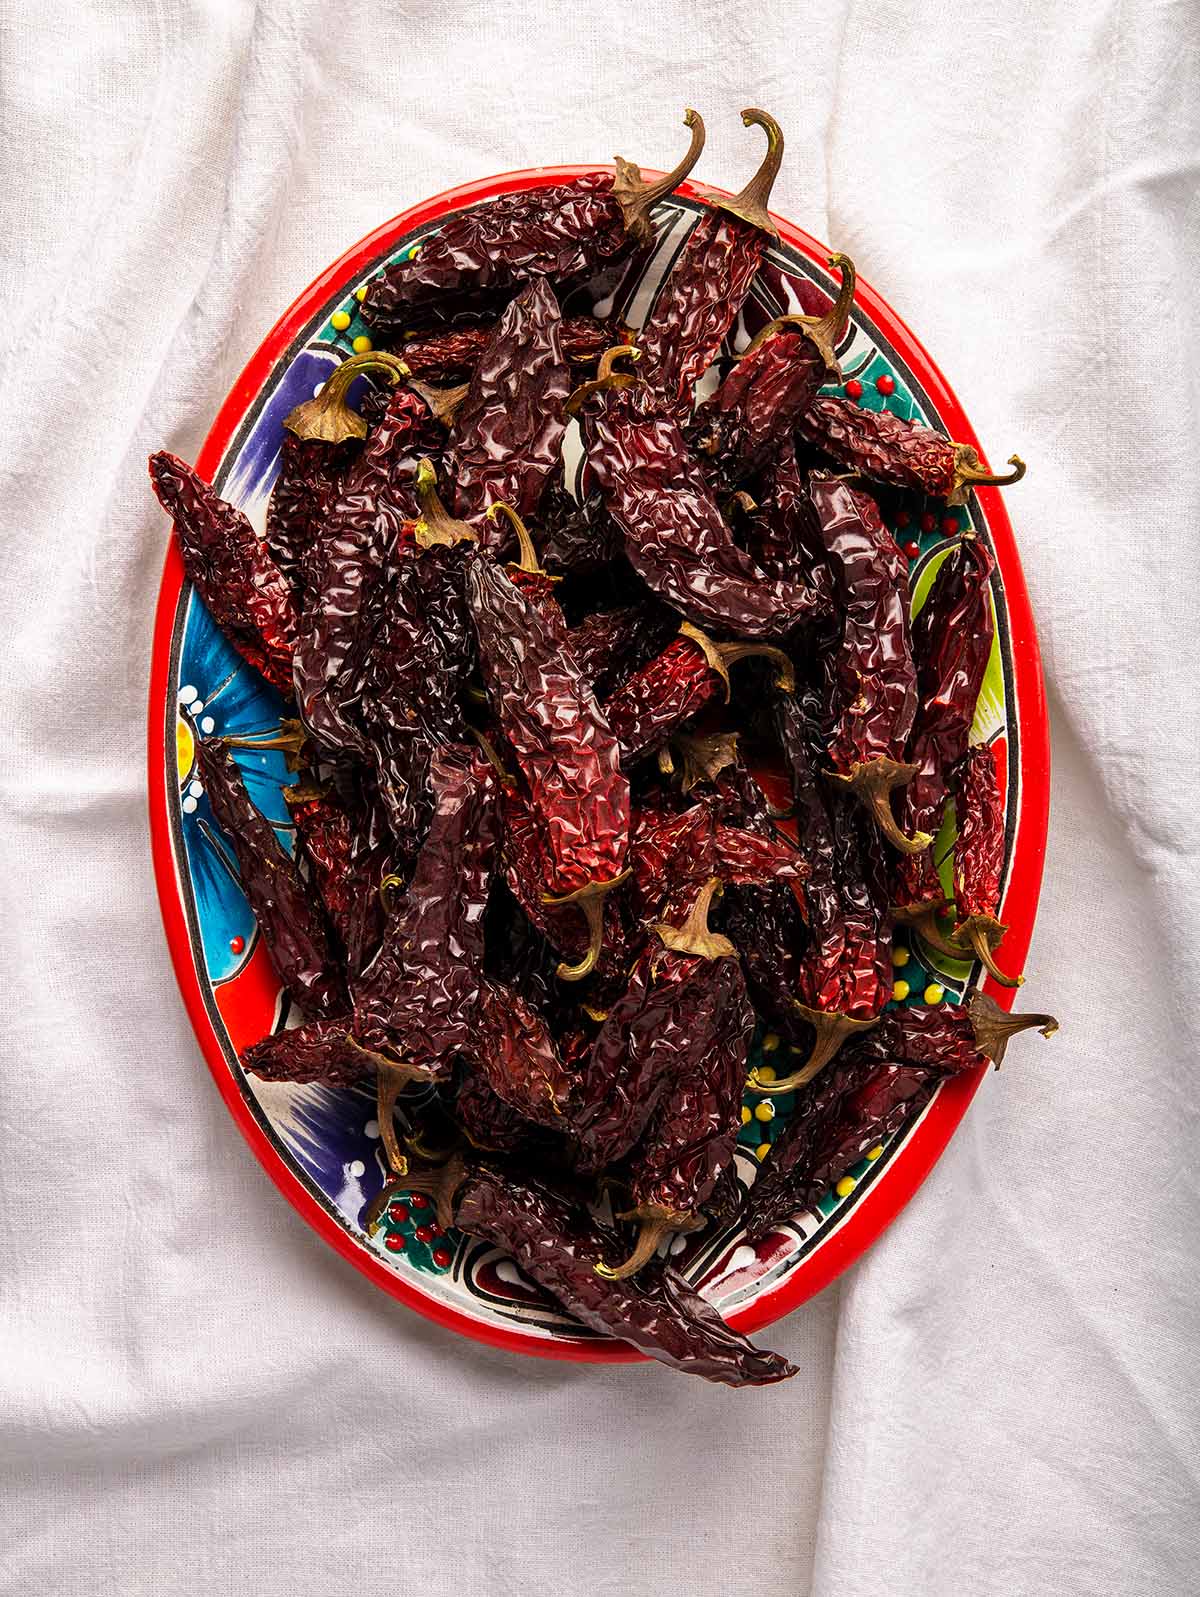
(979, 859)
(948, 1037)
(843, 978)
(884, 447)
(559, 736)
(557, 1244)
(451, 356)
(610, 646)
(952, 640)
(675, 537)
(575, 539)
(291, 924)
(352, 566)
(875, 679)
(321, 1051)
(490, 1124)
(700, 300)
(310, 473)
(679, 990)
(483, 254)
(774, 381)
(242, 587)
(507, 434)
(655, 702)
(326, 842)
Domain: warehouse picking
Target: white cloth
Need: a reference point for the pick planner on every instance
(195, 1392)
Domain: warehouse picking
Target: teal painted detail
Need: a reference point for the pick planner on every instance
(406, 1214)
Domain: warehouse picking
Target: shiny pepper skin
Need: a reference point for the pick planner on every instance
(451, 357)
(326, 840)
(292, 925)
(351, 566)
(951, 642)
(241, 585)
(675, 537)
(558, 1245)
(738, 429)
(507, 435)
(558, 734)
(310, 474)
(979, 846)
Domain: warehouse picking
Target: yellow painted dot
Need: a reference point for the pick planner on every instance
(360, 293)
(764, 1111)
(765, 1072)
(770, 1042)
(900, 956)
(762, 1150)
(361, 344)
(745, 1115)
(340, 320)
(845, 1186)
(901, 990)
(185, 749)
(934, 993)
(876, 1152)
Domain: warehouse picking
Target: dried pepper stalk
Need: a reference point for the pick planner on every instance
(950, 1038)
(558, 1245)
(242, 587)
(709, 282)
(979, 859)
(292, 925)
(883, 447)
(559, 737)
(689, 1142)
(352, 566)
(507, 434)
(876, 681)
(482, 255)
(656, 701)
(772, 385)
(671, 1013)
(952, 640)
(675, 537)
(329, 417)
(452, 356)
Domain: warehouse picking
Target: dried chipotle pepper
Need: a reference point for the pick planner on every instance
(979, 859)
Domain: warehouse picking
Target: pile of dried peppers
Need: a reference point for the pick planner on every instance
(533, 862)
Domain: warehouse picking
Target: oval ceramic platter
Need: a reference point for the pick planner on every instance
(321, 1147)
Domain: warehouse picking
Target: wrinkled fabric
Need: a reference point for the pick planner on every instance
(195, 1391)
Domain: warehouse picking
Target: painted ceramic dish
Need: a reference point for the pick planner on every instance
(321, 1147)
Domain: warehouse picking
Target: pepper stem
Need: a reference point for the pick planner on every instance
(711, 651)
(651, 1232)
(832, 1029)
(983, 933)
(529, 560)
(751, 204)
(389, 886)
(291, 738)
(694, 936)
(823, 331)
(441, 1184)
(704, 758)
(922, 919)
(590, 900)
(443, 403)
(605, 378)
(437, 525)
(328, 416)
(785, 681)
(390, 1082)
(637, 198)
(968, 474)
(994, 1028)
(872, 782)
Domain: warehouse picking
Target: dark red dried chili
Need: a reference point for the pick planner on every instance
(244, 590)
(979, 859)
(451, 356)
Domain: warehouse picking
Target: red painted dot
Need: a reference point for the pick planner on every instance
(419, 1200)
(395, 1242)
(424, 1233)
(854, 389)
(398, 1211)
(441, 1257)
(912, 550)
(902, 518)
(928, 521)
(236, 944)
(885, 384)
(950, 528)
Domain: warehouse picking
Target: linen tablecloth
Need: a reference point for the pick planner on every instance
(196, 1394)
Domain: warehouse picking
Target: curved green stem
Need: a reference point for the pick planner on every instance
(832, 1028)
(606, 378)
(589, 899)
(872, 782)
(694, 936)
(994, 1028)
(528, 561)
(437, 525)
(968, 474)
(983, 934)
(823, 331)
(637, 198)
(650, 1234)
(328, 416)
(751, 204)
